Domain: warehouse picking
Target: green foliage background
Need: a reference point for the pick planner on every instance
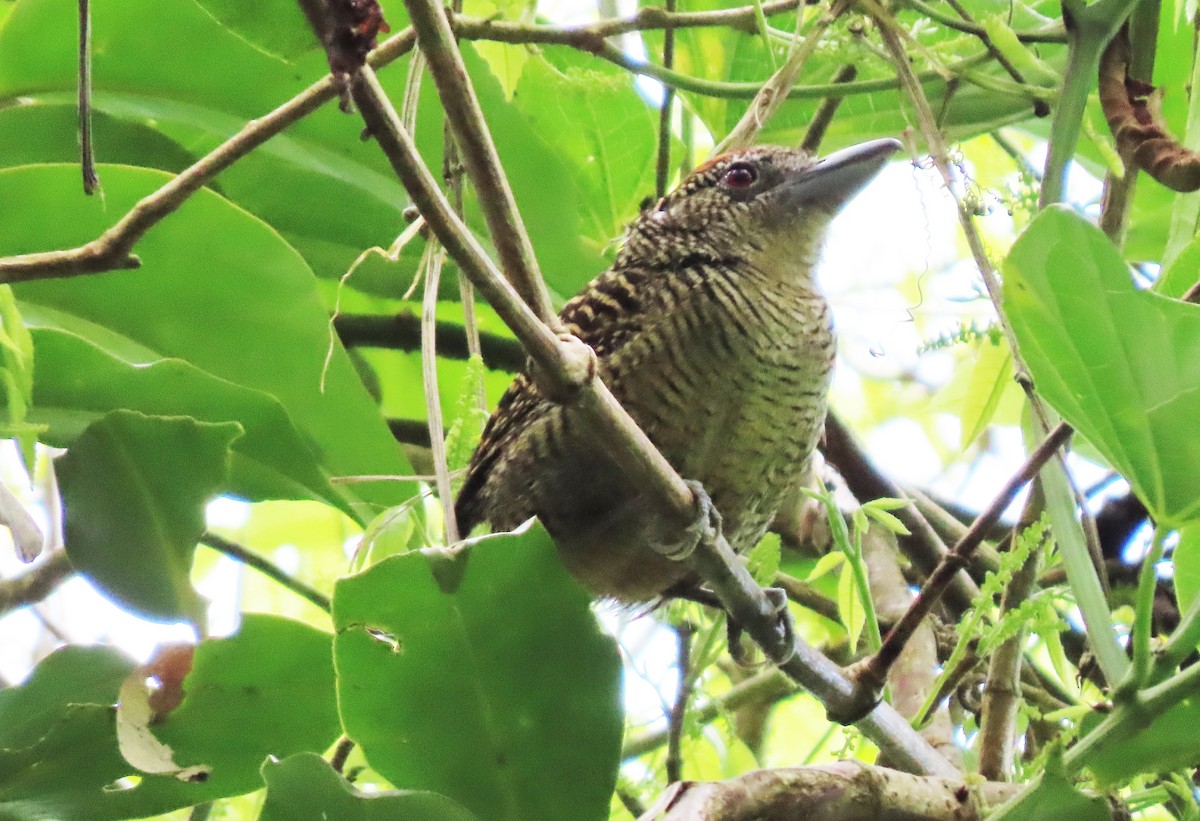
(484, 689)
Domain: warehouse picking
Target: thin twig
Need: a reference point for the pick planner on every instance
(267, 568)
(87, 156)
(775, 90)
(986, 39)
(402, 332)
(1049, 34)
(112, 250)
(765, 687)
(341, 752)
(874, 670)
(806, 595)
(683, 695)
(662, 168)
(434, 257)
(825, 112)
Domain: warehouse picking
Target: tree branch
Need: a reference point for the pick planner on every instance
(479, 154)
(268, 568)
(36, 583)
(402, 332)
(113, 249)
(565, 370)
(847, 790)
(873, 671)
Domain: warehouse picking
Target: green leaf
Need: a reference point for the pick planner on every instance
(991, 376)
(304, 787)
(1165, 742)
(1056, 799)
(1121, 365)
(217, 289)
(850, 608)
(1183, 272)
(276, 27)
(69, 675)
(266, 691)
(609, 148)
(507, 62)
(81, 382)
(16, 360)
(889, 521)
(134, 488)
(452, 678)
(1186, 563)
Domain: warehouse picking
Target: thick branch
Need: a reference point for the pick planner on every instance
(847, 791)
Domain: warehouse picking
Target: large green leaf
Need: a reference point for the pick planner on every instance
(609, 146)
(80, 382)
(491, 684)
(304, 787)
(217, 289)
(268, 690)
(185, 75)
(69, 675)
(134, 488)
(1121, 365)
(1164, 743)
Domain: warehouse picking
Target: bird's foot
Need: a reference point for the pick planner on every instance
(786, 634)
(704, 528)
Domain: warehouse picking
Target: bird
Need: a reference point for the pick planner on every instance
(710, 330)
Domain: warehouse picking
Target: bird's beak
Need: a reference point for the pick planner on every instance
(834, 180)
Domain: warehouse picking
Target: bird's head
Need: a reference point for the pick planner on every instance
(764, 204)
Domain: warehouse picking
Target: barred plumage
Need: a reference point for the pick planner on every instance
(710, 331)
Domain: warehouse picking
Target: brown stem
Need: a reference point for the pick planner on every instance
(478, 152)
(402, 332)
(683, 643)
(874, 670)
(825, 112)
(1002, 693)
(87, 156)
(662, 168)
(268, 568)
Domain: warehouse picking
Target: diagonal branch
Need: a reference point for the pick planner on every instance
(113, 250)
(565, 369)
(479, 154)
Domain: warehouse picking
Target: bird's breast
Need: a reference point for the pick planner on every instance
(731, 386)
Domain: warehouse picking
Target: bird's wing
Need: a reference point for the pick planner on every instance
(513, 412)
(610, 309)
(604, 315)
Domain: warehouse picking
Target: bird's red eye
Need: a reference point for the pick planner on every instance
(740, 175)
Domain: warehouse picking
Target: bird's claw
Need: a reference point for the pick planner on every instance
(705, 527)
(777, 597)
